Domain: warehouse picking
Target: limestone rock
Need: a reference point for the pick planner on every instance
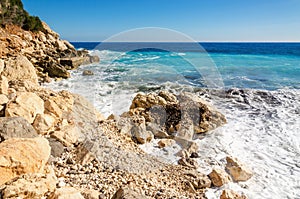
(165, 143)
(57, 148)
(3, 85)
(237, 170)
(60, 45)
(219, 177)
(68, 135)
(27, 105)
(15, 127)
(43, 123)
(33, 186)
(156, 130)
(22, 155)
(66, 193)
(20, 68)
(229, 194)
(90, 194)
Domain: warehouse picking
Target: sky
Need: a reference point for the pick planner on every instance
(202, 20)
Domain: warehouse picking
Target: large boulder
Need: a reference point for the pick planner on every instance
(73, 62)
(22, 155)
(55, 70)
(27, 105)
(15, 127)
(238, 170)
(20, 68)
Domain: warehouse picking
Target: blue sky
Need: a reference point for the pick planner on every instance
(203, 20)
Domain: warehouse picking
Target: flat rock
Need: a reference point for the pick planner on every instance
(22, 155)
(15, 127)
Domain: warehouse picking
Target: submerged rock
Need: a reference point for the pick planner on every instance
(87, 73)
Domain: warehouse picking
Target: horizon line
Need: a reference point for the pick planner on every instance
(189, 42)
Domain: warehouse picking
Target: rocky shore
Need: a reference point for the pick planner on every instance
(56, 145)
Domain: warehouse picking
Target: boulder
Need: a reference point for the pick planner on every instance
(73, 62)
(68, 135)
(66, 193)
(22, 155)
(3, 85)
(51, 107)
(43, 123)
(165, 143)
(15, 127)
(57, 148)
(27, 105)
(198, 180)
(219, 177)
(237, 170)
(90, 194)
(49, 31)
(33, 186)
(229, 194)
(87, 73)
(141, 134)
(60, 45)
(20, 68)
(56, 70)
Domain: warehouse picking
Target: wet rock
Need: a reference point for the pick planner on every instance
(219, 177)
(165, 143)
(229, 194)
(55, 70)
(15, 127)
(20, 68)
(73, 62)
(87, 73)
(66, 193)
(27, 105)
(237, 170)
(14, 162)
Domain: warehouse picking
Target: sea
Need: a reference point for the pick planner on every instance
(255, 85)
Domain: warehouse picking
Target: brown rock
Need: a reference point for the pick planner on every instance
(27, 105)
(198, 180)
(68, 135)
(33, 186)
(20, 68)
(219, 177)
(141, 135)
(237, 170)
(22, 155)
(87, 73)
(55, 70)
(66, 193)
(3, 85)
(127, 193)
(90, 194)
(52, 108)
(165, 143)
(3, 99)
(43, 123)
(73, 62)
(229, 194)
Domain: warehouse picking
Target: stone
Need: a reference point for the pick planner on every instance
(20, 68)
(52, 108)
(57, 148)
(22, 155)
(66, 193)
(141, 135)
(125, 125)
(73, 62)
(156, 130)
(93, 59)
(68, 135)
(60, 45)
(27, 105)
(126, 192)
(49, 31)
(3, 99)
(87, 73)
(43, 123)
(237, 170)
(34, 186)
(197, 179)
(230, 194)
(188, 162)
(1, 65)
(15, 127)
(90, 194)
(3, 85)
(219, 177)
(55, 70)
(165, 143)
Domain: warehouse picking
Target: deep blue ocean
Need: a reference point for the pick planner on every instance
(267, 66)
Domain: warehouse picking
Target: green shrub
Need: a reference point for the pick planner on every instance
(32, 23)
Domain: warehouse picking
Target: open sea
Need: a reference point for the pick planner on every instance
(256, 86)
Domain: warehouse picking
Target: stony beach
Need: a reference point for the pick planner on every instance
(56, 145)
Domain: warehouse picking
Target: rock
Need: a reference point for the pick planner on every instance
(219, 177)
(198, 180)
(49, 31)
(141, 135)
(43, 123)
(188, 162)
(90, 194)
(55, 70)
(229, 194)
(20, 68)
(60, 45)
(93, 59)
(22, 155)
(156, 130)
(52, 108)
(87, 73)
(73, 62)
(127, 193)
(237, 170)
(66, 193)
(15, 127)
(3, 99)
(69, 135)
(1, 65)
(3, 85)
(34, 186)
(125, 125)
(165, 143)
(27, 105)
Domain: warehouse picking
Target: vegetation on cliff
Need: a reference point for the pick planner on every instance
(12, 12)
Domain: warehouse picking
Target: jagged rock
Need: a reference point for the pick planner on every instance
(22, 155)
(20, 68)
(73, 62)
(66, 193)
(27, 105)
(156, 130)
(68, 135)
(15, 127)
(60, 45)
(126, 192)
(87, 73)
(237, 170)
(3, 85)
(188, 162)
(165, 143)
(33, 186)
(57, 148)
(141, 135)
(52, 108)
(219, 177)
(49, 31)
(229, 194)
(43, 123)
(198, 180)
(55, 70)
(125, 125)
